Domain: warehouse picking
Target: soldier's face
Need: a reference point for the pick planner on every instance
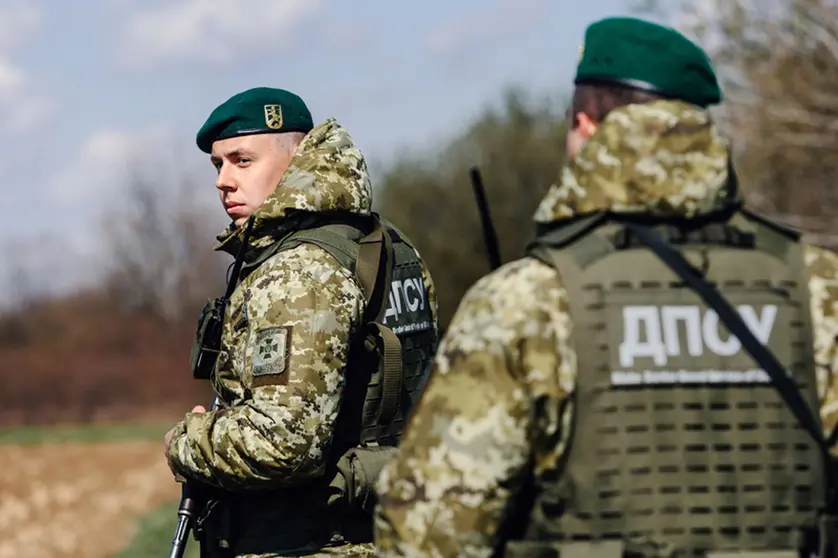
(249, 169)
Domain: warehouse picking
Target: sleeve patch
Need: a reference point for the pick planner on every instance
(271, 355)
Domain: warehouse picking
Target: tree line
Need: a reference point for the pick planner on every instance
(120, 350)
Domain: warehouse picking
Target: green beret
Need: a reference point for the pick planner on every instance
(262, 110)
(643, 55)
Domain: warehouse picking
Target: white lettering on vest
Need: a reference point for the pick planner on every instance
(405, 295)
(654, 332)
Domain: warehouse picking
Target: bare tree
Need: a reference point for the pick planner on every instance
(519, 147)
(778, 63)
(161, 245)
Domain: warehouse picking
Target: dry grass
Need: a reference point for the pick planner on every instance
(78, 500)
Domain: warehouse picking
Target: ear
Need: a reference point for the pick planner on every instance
(585, 125)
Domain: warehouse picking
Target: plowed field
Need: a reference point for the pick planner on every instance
(78, 500)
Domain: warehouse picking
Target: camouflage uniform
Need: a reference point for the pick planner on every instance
(463, 459)
(280, 374)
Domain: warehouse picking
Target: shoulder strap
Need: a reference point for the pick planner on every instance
(339, 240)
(361, 254)
(781, 380)
(374, 269)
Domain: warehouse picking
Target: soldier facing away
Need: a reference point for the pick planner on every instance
(324, 342)
(584, 402)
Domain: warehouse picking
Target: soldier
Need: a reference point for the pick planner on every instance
(584, 402)
(324, 340)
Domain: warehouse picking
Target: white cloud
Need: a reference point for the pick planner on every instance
(22, 107)
(29, 113)
(92, 192)
(216, 31)
(19, 20)
(505, 19)
(104, 163)
(12, 80)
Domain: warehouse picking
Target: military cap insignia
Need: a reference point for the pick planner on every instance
(273, 116)
(271, 352)
(581, 51)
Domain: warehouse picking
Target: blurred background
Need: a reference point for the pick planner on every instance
(111, 212)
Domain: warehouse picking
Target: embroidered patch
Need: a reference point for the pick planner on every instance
(271, 351)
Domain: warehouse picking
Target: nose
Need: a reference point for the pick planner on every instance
(225, 181)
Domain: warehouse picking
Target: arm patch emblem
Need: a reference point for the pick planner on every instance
(271, 353)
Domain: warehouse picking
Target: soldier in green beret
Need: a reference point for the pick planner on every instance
(586, 400)
(328, 327)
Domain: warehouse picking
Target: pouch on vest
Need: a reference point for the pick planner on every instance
(207, 342)
(679, 443)
(353, 488)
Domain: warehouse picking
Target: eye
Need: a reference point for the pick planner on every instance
(244, 161)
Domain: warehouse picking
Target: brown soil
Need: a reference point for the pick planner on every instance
(78, 500)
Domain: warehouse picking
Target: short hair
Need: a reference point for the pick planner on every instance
(598, 100)
(288, 141)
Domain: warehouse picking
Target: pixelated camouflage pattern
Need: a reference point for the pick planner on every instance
(463, 458)
(430, 286)
(327, 173)
(661, 158)
(275, 431)
(277, 434)
(822, 267)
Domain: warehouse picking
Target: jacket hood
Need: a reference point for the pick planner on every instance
(664, 159)
(327, 174)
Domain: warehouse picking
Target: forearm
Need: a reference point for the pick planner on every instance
(253, 447)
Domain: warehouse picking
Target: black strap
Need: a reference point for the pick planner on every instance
(781, 379)
(239, 261)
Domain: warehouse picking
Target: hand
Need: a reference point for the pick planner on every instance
(167, 438)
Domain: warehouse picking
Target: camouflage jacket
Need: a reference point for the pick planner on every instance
(463, 460)
(280, 373)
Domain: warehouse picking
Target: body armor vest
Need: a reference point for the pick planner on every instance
(679, 444)
(394, 347)
(390, 354)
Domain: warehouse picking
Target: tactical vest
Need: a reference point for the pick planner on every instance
(389, 357)
(679, 445)
(392, 353)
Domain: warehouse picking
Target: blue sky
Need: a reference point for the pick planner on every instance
(89, 88)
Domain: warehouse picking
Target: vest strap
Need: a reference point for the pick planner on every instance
(337, 240)
(389, 348)
(372, 267)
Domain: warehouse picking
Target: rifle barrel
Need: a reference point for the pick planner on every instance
(490, 238)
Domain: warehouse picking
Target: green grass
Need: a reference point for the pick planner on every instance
(153, 537)
(29, 435)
